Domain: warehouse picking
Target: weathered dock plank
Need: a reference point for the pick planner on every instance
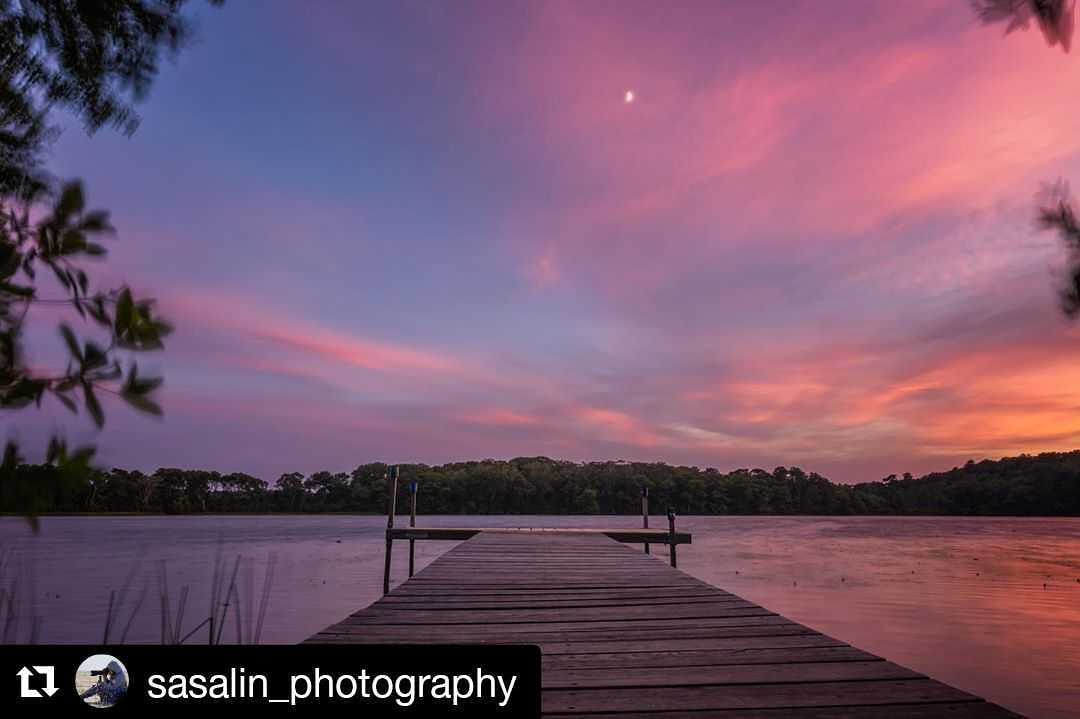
(622, 634)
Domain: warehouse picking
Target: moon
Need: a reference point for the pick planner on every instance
(628, 97)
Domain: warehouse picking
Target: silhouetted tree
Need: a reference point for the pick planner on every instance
(1054, 17)
(94, 58)
(1057, 213)
(291, 487)
(1048, 484)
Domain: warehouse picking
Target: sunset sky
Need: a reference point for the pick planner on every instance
(431, 231)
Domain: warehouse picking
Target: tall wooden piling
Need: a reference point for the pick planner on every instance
(391, 510)
(671, 533)
(412, 523)
(645, 512)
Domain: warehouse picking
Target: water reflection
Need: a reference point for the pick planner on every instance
(960, 599)
(989, 605)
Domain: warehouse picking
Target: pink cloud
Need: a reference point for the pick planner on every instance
(807, 240)
(797, 146)
(363, 353)
(619, 426)
(338, 359)
(498, 417)
(238, 313)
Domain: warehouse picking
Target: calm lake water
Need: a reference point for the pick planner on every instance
(989, 605)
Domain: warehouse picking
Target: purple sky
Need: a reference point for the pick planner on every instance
(422, 231)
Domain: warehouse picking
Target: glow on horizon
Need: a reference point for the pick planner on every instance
(812, 245)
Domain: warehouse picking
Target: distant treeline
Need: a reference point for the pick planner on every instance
(1047, 484)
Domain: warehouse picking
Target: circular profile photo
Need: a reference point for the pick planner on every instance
(101, 680)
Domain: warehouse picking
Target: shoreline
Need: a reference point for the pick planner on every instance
(16, 515)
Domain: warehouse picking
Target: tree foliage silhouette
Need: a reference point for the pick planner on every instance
(1057, 212)
(1054, 18)
(1047, 484)
(94, 59)
(1056, 209)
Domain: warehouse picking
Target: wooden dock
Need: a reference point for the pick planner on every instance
(625, 635)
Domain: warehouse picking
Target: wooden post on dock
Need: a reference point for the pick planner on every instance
(391, 510)
(412, 523)
(645, 512)
(671, 537)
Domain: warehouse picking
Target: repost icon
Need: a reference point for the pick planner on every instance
(29, 689)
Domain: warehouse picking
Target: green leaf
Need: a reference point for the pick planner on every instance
(96, 308)
(142, 403)
(71, 201)
(61, 276)
(72, 241)
(146, 385)
(10, 259)
(125, 310)
(96, 221)
(66, 401)
(14, 289)
(22, 392)
(93, 357)
(45, 243)
(72, 343)
(93, 406)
